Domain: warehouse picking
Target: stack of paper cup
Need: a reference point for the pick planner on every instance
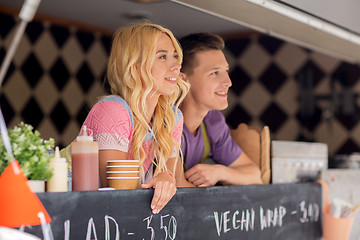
(123, 174)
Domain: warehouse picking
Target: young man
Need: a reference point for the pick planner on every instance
(206, 70)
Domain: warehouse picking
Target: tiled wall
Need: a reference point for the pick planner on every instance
(299, 94)
(58, 72)
(54, 78)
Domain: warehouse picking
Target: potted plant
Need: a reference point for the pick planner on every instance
(30, 150)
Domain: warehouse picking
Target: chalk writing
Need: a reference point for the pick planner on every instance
(67, 230)
(171, 226)
(107, 228)
(272, 218)
(91, 228)
(168, 225)
(169, 229)
(309, 213)
(244, 220)
(148, 221)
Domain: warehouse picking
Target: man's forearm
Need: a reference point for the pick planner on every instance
(241, 175)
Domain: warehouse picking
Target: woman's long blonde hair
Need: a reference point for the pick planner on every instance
(129, 75)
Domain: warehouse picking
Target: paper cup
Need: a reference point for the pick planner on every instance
(335, 228)
(123, 174)
(121, 183)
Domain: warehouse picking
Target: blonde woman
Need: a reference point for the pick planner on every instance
(141, 119)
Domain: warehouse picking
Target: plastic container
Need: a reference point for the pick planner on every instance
(59, 180)
(334, 228)
(85, 163)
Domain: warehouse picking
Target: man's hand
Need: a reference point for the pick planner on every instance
(165, 188)
(203, 175)
(243, 171)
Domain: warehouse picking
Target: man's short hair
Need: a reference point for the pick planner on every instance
(197, 42)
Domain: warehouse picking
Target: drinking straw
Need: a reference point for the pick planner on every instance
(5, 136)
(350, 211)
(26, 15)
(354, 209)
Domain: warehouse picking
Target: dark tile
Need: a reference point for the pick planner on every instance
(7, 110)
(32, 70)
(105, 83)
(32, 113)
(347, 74)
(7, 23)
(348, 147)
(10, 69)
(59, 73)
(237, 46)
(305, 138)
(34, 30)
(273, 78)
(310, 121)
(271, 44)
(62, 145)
(82, 114)
(240, 80)
(236, 116)
(85, 39)
(60, 34)
(106, 42)
(273, 116)
(60, 116)
(2, 54)
(348, 121)
(85, 77)
(309, 75)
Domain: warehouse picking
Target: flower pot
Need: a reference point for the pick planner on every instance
(37, 185)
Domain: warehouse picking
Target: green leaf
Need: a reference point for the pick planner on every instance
(30, 150)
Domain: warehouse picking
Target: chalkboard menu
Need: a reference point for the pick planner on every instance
(279, 211)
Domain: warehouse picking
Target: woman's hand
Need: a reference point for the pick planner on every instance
(165, 188)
